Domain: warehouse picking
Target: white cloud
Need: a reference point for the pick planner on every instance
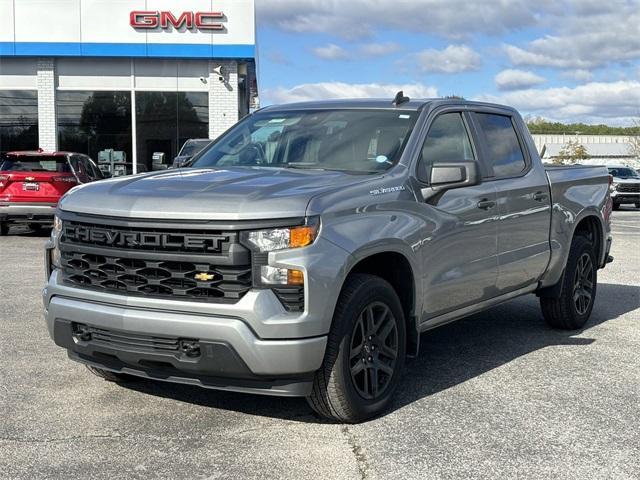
(595, 102)
(453, 59)
(591, 35)
(517, 79)
(361, 18)
(578, 75)
(332, 90)
(379, 49)
(331, 52)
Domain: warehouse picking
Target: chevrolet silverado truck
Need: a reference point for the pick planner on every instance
(625, 187)
(304, 251)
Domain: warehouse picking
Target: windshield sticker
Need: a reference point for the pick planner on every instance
(381, 191)
(381, 159)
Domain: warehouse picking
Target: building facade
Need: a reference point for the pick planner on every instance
(130, 79)
(602, 149)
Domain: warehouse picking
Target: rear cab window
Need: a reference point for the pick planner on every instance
(505, 157)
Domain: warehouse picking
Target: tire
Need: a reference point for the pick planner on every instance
(579, 286)
(4, 229)
(109, 375)
(344, 388)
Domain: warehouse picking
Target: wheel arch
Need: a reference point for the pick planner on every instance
(403, 280)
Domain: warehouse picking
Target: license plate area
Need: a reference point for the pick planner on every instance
(30, 186)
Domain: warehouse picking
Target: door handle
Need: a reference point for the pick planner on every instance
(486, 204)
(540, 196)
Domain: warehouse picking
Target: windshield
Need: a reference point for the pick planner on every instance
(624, 173)
(32, 163)
(363, 141)
(191, 147)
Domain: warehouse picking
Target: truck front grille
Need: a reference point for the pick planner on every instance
(629, 188)
(180, 264)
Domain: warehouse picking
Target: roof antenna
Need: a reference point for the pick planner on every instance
(400, 98)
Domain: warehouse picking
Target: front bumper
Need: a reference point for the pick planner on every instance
(254, 345)
(229, 355)
(625, 197)
(27, 212)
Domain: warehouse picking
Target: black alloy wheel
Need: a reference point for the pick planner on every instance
(583, 284)
(374, 350)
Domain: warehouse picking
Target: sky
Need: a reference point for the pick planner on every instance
(562, 60)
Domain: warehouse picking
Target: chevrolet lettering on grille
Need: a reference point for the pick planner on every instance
(132, 239)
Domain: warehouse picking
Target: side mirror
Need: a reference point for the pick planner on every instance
(445, 176)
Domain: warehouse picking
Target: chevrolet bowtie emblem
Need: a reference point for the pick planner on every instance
(204, 276)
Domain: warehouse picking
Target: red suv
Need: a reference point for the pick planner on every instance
(31, 183)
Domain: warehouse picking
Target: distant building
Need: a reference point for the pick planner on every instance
(602, 149)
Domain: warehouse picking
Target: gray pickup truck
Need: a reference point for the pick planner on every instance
(303, 252)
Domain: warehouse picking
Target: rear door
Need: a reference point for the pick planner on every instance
(35, 178)
(460, 255)
(524, 199)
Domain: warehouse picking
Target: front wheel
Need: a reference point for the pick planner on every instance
(573, 308)
(365, 352)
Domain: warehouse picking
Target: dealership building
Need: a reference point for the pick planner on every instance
(123, 79)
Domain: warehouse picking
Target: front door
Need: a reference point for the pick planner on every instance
(460, 253)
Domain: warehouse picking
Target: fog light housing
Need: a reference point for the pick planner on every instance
(280, 276)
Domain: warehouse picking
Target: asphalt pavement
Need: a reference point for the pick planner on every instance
(497, 395)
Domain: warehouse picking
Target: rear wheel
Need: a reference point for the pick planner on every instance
(109, 375)
(4, 228)
(365, 352)
(573, 308)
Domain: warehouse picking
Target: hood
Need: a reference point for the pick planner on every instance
(247, 193)
(626, 180)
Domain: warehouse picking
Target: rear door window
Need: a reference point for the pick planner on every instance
(504, 152)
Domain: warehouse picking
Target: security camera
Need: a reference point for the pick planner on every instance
(220, 71)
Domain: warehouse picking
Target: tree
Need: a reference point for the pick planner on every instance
(634, 141)
(572, 152)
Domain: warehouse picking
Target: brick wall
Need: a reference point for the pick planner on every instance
(48, 134)
(223, 97)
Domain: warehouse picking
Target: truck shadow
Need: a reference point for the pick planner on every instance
(449, 355)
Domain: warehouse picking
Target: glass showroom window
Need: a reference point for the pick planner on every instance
(18, 120)
(93, 122)
(165, 120)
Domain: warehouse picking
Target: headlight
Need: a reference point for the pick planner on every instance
(282, 238)
(274, 239)
(55, 238)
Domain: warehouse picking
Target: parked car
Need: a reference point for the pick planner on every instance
(626, 186)
(189, 150)
(303, 252)
(31, 183)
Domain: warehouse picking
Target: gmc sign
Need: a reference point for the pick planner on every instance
(164, 20)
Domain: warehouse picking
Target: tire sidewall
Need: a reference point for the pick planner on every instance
(373, 290)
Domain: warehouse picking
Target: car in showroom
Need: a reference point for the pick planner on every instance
(625, 188)
(190, 148)
(32, 183)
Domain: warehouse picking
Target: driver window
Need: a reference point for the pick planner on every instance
(446, 142)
